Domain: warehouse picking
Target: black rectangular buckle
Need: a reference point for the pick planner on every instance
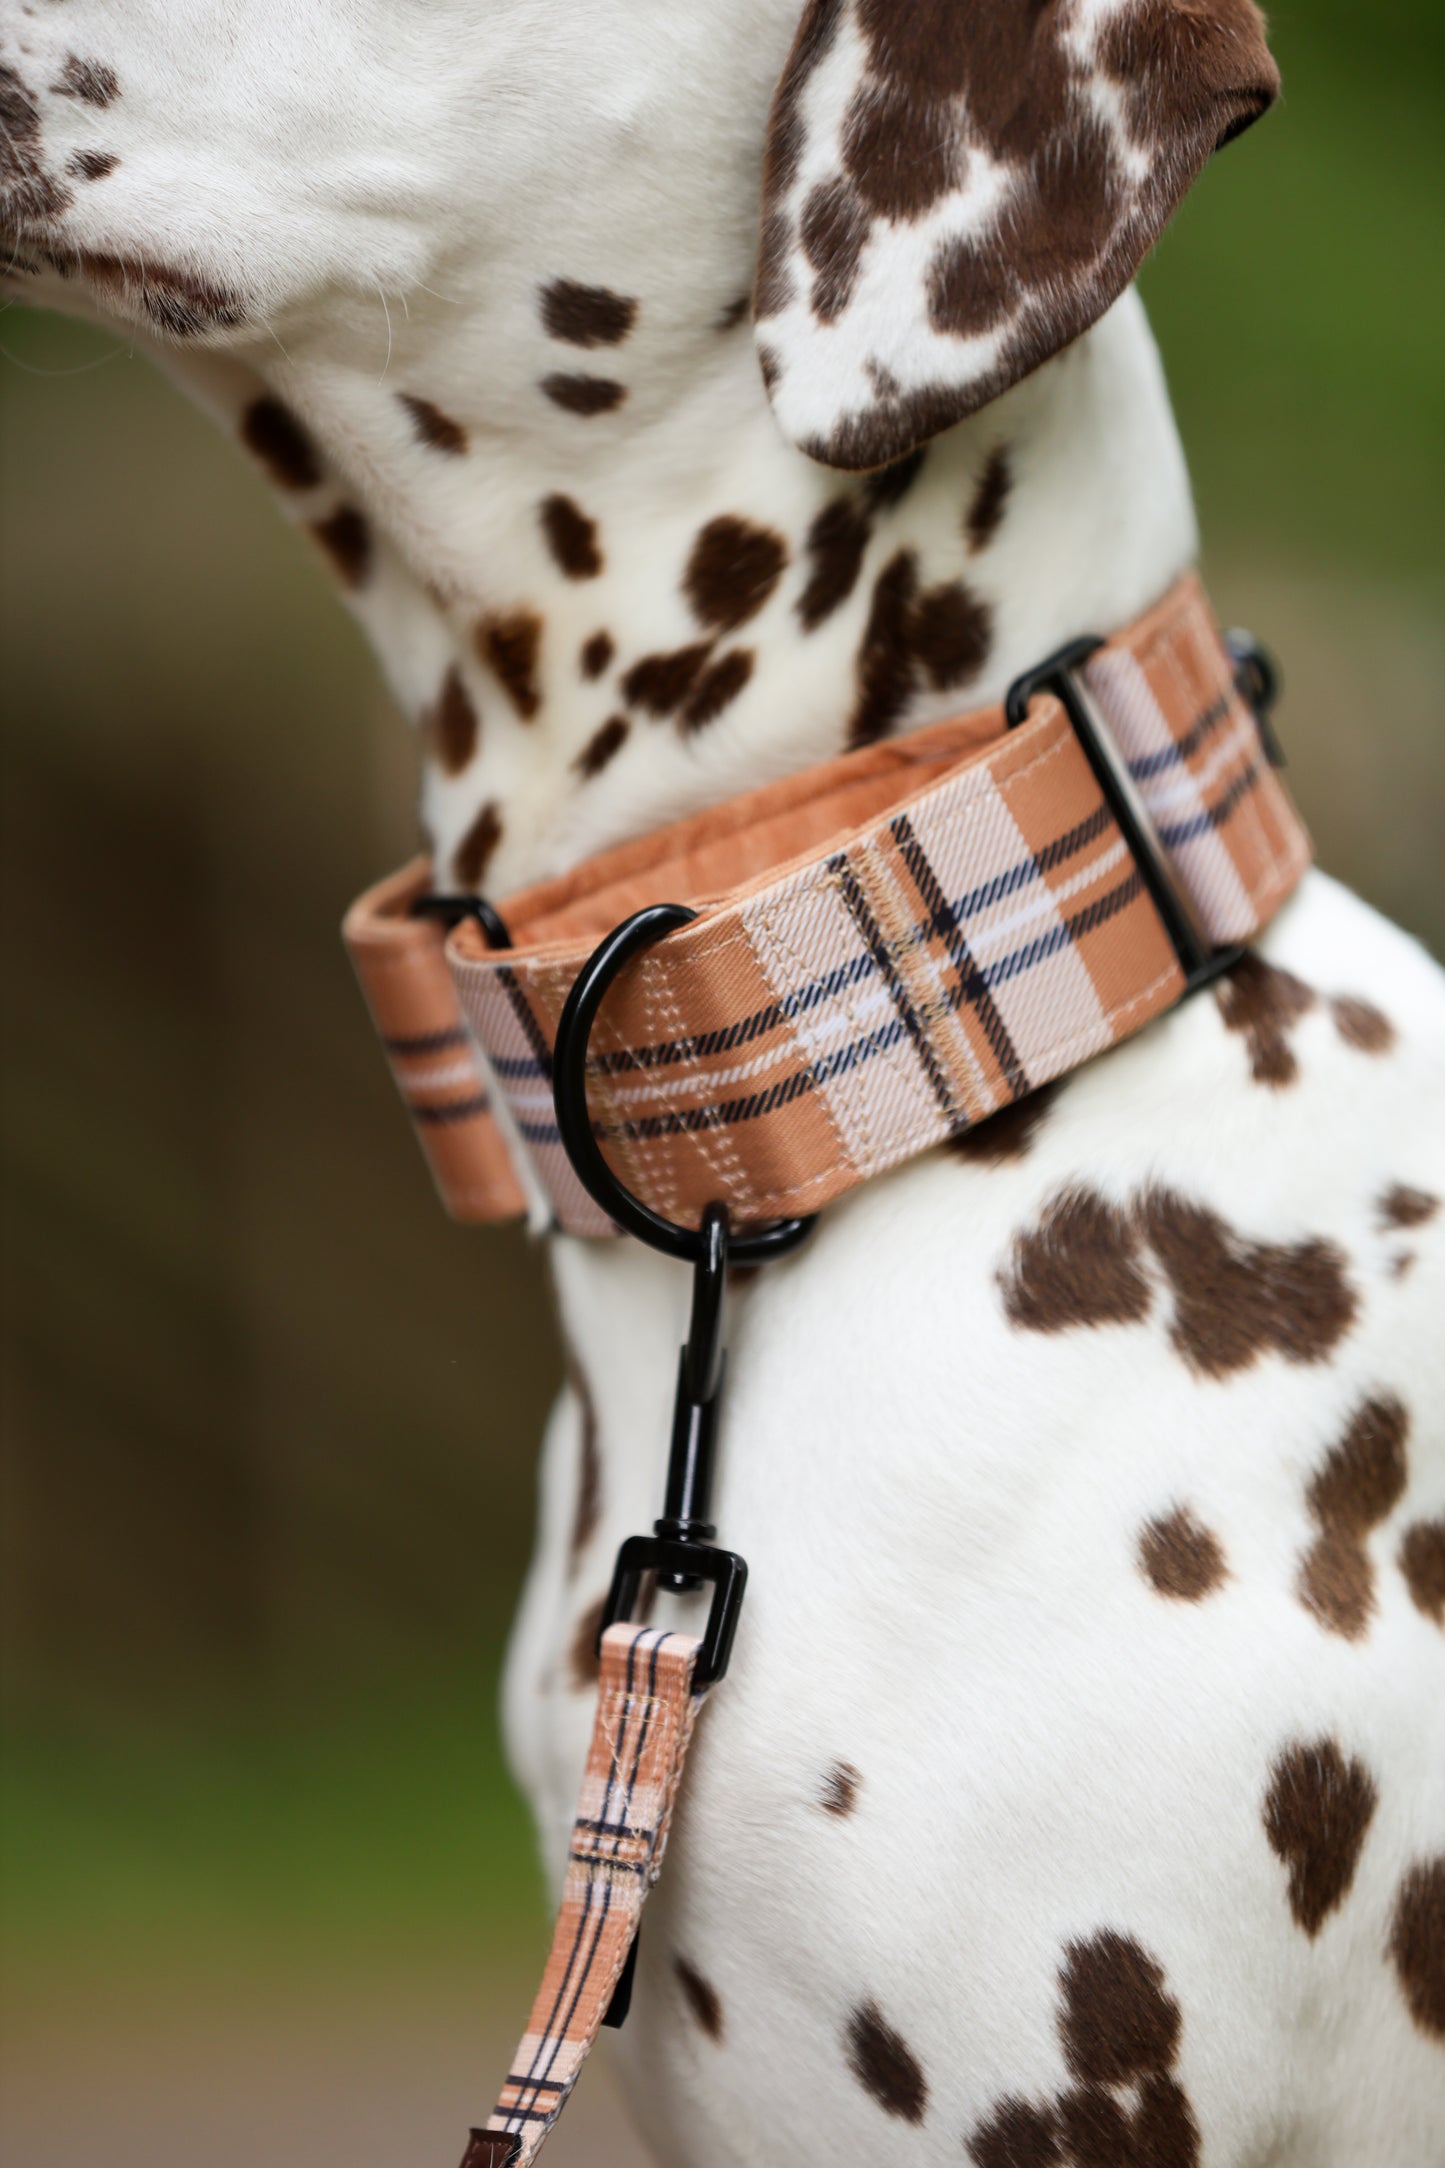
(1057, 674)
(689, 1561)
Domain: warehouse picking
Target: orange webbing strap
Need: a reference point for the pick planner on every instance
(401, 963)
(890, 947)
(646, 1708)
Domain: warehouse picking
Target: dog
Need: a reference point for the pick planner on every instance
(1077, 1794)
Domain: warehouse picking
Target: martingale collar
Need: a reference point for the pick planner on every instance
(885, 949)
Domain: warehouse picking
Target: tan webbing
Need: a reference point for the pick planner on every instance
(645, 1713)
(888, 948)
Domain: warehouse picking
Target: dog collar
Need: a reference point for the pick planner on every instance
(878, 953)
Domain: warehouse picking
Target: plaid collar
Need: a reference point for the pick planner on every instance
(887, 949)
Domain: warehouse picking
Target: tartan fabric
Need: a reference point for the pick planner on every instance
(401, 964)
(646, 1709)
(891, 947)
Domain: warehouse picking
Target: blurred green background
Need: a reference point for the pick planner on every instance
(269, 1419)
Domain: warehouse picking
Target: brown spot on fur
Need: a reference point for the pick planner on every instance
(1417, 1945)
(571, 537)
(473, 854)
(1361, 1025)
(660, 683)
(1117, 2022)
(1317, 1811)
(835, 546)
(890, 485)
(701, 1996)
(775, 283)
(1180, 1557)
(816, 34)
(1337, 1584)
(92, 165)
(1165, 2133)
(1422, 1561)
(512, 646)
(272, 432)
(1264, 1004)
(346, 539)
(840, 1790)
(26, 190)
(1079, 1266)
(884, 2065)
(432, 427)
(900, 159)
(598, 655)
(729, 318)
(603, 746)
(583, 1661)
(451, 727)
(1017, 2135)
(1363, 1478)
(951, 634)
(833, 230)
(89, 80)
(990, 501)
(732, 571)
(1007, 1136)
(1234, 1299)
(885, 667)
(584, 395)
(1402, 1206)
(586, 315)
(717, 688)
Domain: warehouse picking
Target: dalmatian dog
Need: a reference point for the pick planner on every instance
(1077, 1795)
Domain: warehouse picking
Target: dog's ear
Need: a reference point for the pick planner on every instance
(955, 189)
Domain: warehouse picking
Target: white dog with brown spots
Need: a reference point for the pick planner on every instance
(1078, 1792)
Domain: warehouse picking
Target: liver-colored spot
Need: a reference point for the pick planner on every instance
(346, 539)
(1117, 2022)
(1180, 1557)
(833, 230)
(1422, 1561)
(584, 395)
(732, 571)
(660, 683)
(586, 315)
(1417, 1945)
(1359, 1483)
(775, 288)
(1361, 1025)
(701, 1998)
(951, 634)
(27, 190)
(884, 2065)
(512, 646)
(1007, 1136)
(736, 311)
(839, 1795)
(1017, 2135)
(432, 427)
(990, 500)
(584, 1664)
(473, 854)
(571, 537)
(1317, 1811)
(89, 80)
(717, 688)
(888, 486)
(1235, 1300)
(1080, 1266)
(92, 165)
(899, 156)
(885, 668)
(597, 656)
(1402, 1206)
(603, 746)
(451, 728)
(272, 432)
(1264, 1004)
(835, 545)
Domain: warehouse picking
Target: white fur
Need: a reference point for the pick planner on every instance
(941, 1512)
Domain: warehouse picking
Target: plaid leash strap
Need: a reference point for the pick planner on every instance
(646, 1709)
(888, 949)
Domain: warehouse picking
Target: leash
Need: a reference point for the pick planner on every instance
(878, 954)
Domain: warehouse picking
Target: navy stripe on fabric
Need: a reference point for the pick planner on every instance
(1215, 816)
(1198, 733)
(460, 1110)
(973, 989)
(851, 890)
(427, 1042)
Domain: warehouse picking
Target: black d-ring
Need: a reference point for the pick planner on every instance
(569, 1093)
(451, 910)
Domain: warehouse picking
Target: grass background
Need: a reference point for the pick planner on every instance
(269, 1420)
